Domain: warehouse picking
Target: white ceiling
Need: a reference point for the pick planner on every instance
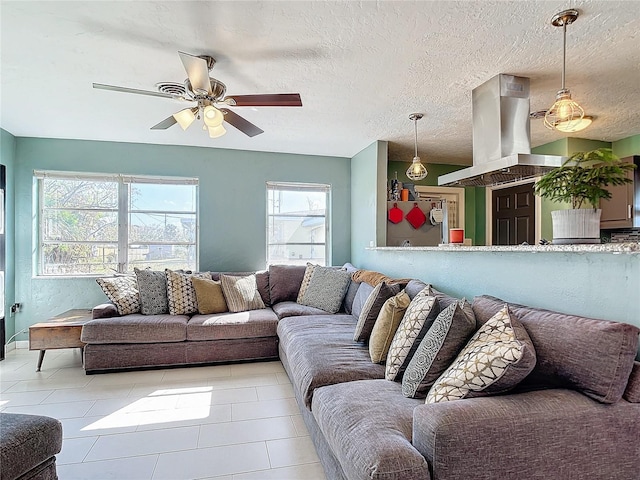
(360, 67)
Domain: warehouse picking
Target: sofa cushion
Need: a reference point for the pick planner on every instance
(284, 282)
(294, 309)
(262, 281)
(632, 392)
(371, 308)
(209, 296)
(386, 325)
(418, 318)
(319, 350)
(122, 291)
(241, 293)
(368, 426)
(496, 359)
(593, 356)
(326, 289)
(180, 292)
(152, 287)
(229, 325)
(136, 328)
(449, 333)
(27, 441)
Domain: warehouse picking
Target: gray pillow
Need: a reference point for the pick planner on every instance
(152, 287)
(450, 332)
(326, 289)
(360, 298)
(367, 319)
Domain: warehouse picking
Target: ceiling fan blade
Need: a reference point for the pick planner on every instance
(242, 124)
(197, 71)
(114, 88)
(267, 100)
(164, 124)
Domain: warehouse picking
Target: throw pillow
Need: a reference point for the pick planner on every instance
(284, 282)
(180, 292)
(241, 293)
(420, 314)
(209, 296)
(326, 289)
(369, 314)
(305, 280)
(123, 292)
(386, 325)
(361, 296)
(450, 332)
(498, 356)
(152, 286)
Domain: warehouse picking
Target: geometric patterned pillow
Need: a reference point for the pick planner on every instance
(241, 293)
(498, 357)
(417, 320)
(180, 292)
(152, 287)
(439, 347)
(123, 292)
(305, 280)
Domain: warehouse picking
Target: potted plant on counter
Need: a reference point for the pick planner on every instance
(582, 181)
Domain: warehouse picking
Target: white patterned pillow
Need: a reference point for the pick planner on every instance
(305, 280)
(123, 292)
(180, 292)
(449, 333)
(241, 293)
(418, 318)
(498, 357)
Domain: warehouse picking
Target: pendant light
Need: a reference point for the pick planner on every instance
(565, 114)
(416, 171)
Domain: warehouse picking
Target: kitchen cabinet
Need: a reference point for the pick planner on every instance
(622, 210)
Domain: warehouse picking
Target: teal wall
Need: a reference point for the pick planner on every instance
(232, 200)
(627, 146)
(7, 158)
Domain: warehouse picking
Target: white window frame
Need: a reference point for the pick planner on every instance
(301, 187)
(122, 210)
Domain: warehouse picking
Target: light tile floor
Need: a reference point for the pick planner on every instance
(226, 422)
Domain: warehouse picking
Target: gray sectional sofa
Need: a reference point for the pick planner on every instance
(575, 416)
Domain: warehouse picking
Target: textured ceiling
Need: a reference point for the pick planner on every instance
(360, 67)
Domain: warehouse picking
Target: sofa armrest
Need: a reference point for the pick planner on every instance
(632, 392)
(550, 434)
(104, 310)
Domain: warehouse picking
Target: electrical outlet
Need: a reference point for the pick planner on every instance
(15, 308)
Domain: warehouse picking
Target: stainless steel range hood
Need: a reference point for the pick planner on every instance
(501, 138)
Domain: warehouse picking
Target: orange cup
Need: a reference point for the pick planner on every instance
(404, 195)
(456, 235)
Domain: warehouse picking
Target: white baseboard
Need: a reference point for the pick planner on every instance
(22, 343)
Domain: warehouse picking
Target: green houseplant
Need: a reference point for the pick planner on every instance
(581, 181)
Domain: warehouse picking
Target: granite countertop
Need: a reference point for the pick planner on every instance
(632, 248)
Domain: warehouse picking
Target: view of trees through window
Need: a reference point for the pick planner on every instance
(297, 224)
(107, 225)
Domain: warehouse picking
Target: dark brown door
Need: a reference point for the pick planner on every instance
(514, 215)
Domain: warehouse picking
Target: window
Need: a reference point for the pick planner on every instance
(297, 223)
(94, 224)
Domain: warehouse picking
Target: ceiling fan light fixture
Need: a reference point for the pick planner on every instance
(417, 171)
(215, 132)
(574, 126)
(212, 116)
(185, 117)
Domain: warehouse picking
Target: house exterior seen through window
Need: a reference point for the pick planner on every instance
(298, 223)
(93, 224)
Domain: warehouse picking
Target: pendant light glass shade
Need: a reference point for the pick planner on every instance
(215, 132)
(417, 170)
(212, 116)
(565, 114)
(571, 127)
(185, 117)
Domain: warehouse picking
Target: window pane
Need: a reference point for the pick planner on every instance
(162, 227)
(297, 229)
(166, 198)
(65, 259)
(297, 254)
(80, 225)
(79, 194)
(305, 202)
(159, 257)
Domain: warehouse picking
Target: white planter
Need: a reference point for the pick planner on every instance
(576, 226)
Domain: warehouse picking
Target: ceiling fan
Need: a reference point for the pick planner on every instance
(208, 94)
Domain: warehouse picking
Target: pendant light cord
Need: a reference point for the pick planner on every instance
(564, 51)
(415, 123)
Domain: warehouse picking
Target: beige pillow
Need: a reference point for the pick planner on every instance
(209, 295)
(180, 292)
(386, 325)
(241, 293)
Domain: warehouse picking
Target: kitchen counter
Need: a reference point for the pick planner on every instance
(611, 248)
